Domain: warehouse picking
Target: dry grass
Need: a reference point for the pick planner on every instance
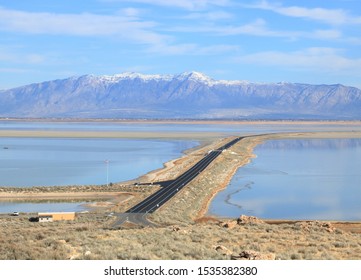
(89, 238)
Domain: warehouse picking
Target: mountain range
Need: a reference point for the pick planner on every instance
(190, 95)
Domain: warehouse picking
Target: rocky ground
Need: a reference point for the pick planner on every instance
(89, 237)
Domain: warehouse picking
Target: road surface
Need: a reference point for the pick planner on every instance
(137, 214)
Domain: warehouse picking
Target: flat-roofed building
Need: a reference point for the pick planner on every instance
(56, 216)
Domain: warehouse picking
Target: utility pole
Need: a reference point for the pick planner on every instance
(107, 163)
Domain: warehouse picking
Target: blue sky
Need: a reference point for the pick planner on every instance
(316, 42)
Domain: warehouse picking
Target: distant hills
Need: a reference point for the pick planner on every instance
(188, 95)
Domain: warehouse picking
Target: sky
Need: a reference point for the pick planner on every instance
(308, 41)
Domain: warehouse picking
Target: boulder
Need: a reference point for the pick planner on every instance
(175, 228)
(230, 224)
(248, 220)
(223, 250)
(315, 225)
(87, 253)
(253, 255)
(328, 227)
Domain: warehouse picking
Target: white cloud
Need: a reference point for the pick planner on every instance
(210, 16)
(15, 56)
(84, 24)
(125, 25)
(326, 34)
(354, 40)
(5, 56)
(167, 49)
(193, 49)
(329, 16)
(35, 58)
(259, 27)
(216, 49)
(130, 12)
(321, 59)
(256, 28)
(192, 5)
(13, 70)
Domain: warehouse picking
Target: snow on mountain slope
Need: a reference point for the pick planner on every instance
(186, 95)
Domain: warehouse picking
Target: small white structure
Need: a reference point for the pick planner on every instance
(45, 218)
(56, 216)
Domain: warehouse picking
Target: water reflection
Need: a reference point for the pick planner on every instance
(297, 179)
(318, 144)
(52, 161)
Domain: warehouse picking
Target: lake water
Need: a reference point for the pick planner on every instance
(226, 129)
(32, 207)
(297, 179)
(50, 161)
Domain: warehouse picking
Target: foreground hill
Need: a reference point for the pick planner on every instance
(188, 95)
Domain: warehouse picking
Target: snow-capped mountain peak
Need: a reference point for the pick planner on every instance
(193, 76)
(185, 95)
(185, 76)
(133, 76)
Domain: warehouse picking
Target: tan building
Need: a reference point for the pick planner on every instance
(56, 216)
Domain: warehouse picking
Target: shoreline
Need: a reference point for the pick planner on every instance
(179, 121)
(179, 235)
(178, 165)
(204, 209)
(200, 136)
(30, 196)
(257, 140)
(243, 149)
(101, 190)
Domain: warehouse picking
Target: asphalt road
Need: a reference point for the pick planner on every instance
(157, 199)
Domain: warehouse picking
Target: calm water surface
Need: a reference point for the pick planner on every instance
(226, 129)
(297, 179)
(46, 162)
(26, 162)
(49, 161)
(29, 207)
